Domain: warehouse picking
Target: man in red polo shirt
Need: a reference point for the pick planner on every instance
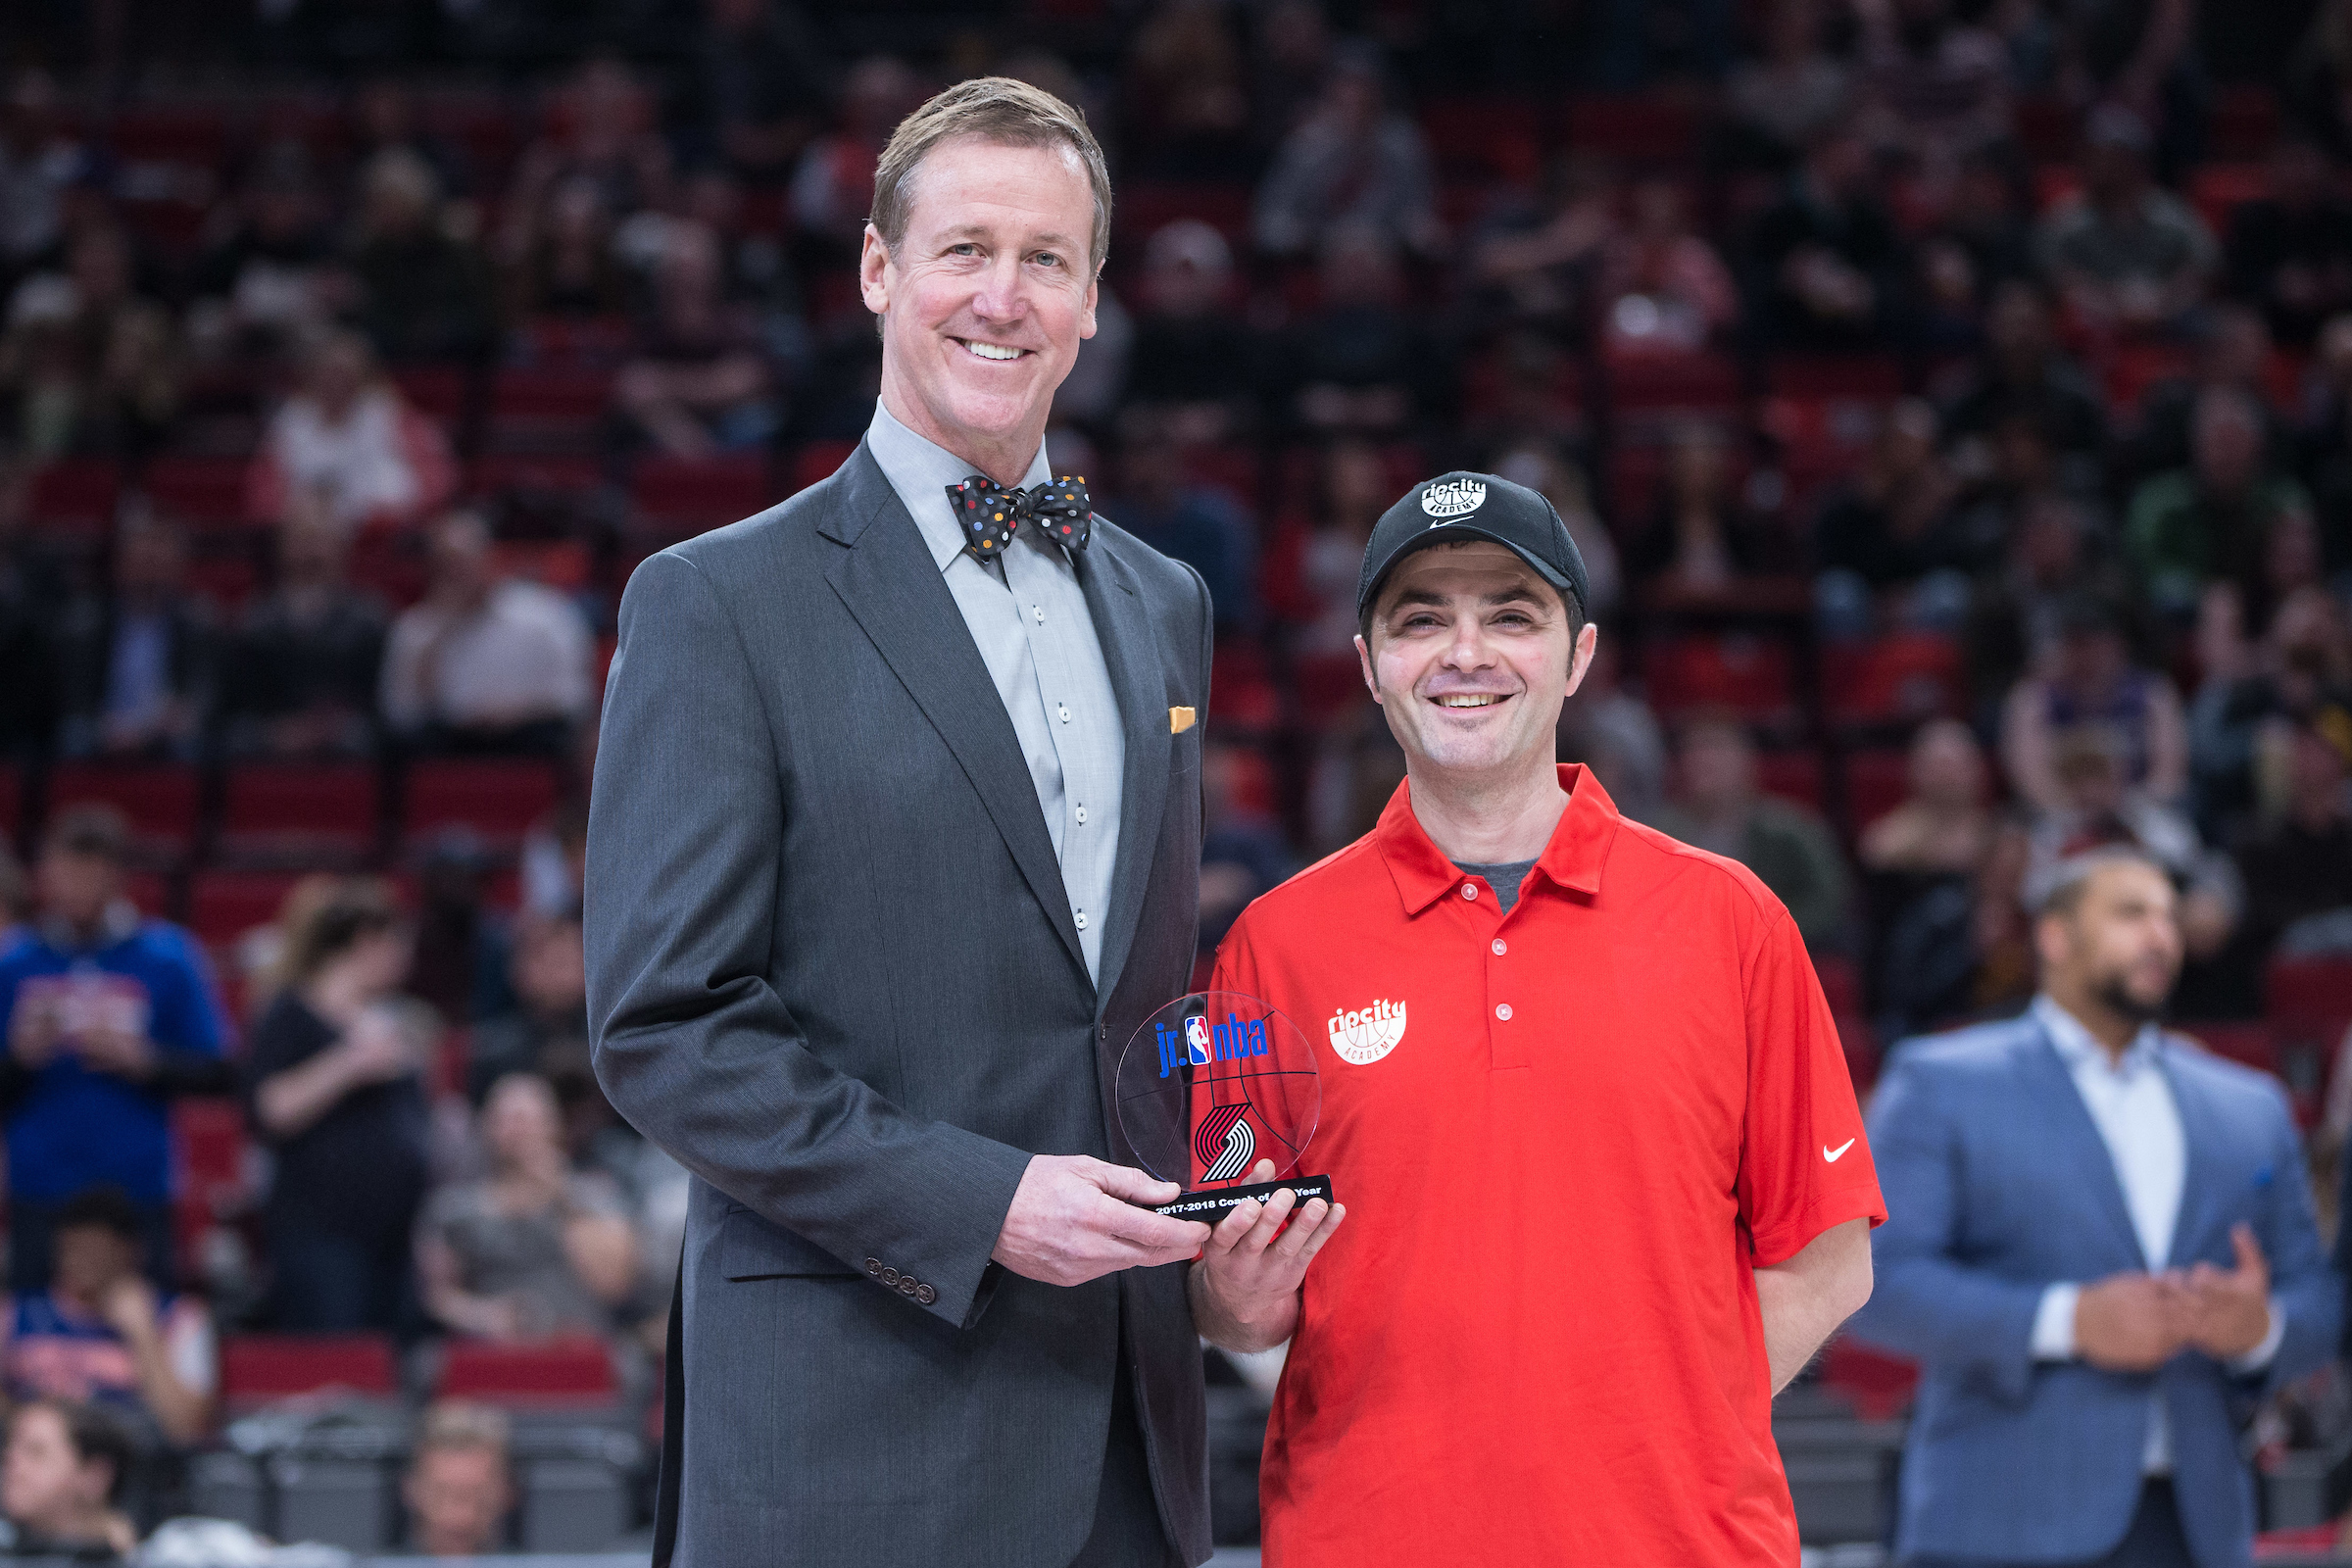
(1583, 1098)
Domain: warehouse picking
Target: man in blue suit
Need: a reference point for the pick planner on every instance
(2101, 1249)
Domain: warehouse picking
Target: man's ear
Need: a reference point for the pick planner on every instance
(873, 264)
(1086, 311)
(1580, 656)
(2052, 936)
(1364, 660)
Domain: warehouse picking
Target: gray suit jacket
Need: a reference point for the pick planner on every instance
(832, 968)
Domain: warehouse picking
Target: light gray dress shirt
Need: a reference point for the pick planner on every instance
(1028, 616)
(2132, 1105)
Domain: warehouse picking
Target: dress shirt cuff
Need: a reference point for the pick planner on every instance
(2054, 1323)
(2261, 1355)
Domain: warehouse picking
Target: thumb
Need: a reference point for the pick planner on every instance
(1262, 1171)
(1130, 1186)
(2249, 1251)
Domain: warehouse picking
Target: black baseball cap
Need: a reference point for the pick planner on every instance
(1460, 506)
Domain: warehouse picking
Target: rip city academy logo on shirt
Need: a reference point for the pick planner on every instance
(1367, 1034)
(1448, 501)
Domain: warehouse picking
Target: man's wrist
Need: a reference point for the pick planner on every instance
(2266, 1348)
(2054, 1322)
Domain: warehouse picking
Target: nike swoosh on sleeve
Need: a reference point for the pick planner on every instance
(1830, 1155)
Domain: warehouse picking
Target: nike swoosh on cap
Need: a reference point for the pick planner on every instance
(1830, 1155)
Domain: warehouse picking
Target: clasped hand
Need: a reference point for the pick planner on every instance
(2138, 1322)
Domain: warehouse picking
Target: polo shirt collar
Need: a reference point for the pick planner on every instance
(1572, 860)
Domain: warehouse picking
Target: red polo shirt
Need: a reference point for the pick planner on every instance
(1566, 1137)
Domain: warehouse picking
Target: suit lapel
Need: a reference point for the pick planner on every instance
(893, 589)
(2077, 1137)
(1141, 686)
(2201, 1138)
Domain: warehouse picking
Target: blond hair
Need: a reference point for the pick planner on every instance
(993, 109)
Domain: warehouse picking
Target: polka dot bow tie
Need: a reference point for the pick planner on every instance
(990, 513)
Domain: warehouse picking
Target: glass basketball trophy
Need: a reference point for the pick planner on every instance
(1212, 1084)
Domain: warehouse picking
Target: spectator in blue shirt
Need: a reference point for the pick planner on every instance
(108, 1017)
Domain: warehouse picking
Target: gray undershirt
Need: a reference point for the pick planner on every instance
(1503, 878)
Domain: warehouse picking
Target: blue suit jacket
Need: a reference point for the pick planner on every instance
(1997, 1184)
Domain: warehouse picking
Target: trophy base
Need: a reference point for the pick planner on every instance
(1212, 1204)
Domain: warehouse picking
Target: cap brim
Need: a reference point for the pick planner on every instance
(1456, 533)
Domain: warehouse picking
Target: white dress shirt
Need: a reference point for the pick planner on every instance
(2131, 1104)
(1028, 616)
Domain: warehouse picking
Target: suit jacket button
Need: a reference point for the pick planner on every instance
(908, 1284)
(873, 1266)
(925, 1294)
(890, 1275)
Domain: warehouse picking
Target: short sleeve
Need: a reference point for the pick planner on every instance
(1804, 1161)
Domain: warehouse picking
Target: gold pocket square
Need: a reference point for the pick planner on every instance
(1180, 720)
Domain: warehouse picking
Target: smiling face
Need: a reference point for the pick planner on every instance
(987, 297)
(1470, 657)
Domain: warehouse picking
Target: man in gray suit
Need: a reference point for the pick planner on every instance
(895, 840)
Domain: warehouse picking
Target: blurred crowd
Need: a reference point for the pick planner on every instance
(1953, 403)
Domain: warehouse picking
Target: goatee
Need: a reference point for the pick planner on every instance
(2117, 995)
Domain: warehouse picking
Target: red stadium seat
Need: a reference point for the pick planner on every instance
(817, 460)
(1484, 138)
(1898, 679)
(1791, 775)
(210, 1147)
(557, 564)
(74, 495)
(499, 800)
(2245, 120)
(559, 471)
(1876, 783)
(1146, 208)
(162, 800)
(300, 811)
(2247, 1043)
(1863, 377)
(223, 905)
(1703, 383)
(548, 410)
(564, 340)
(261, 1368)
(559, 1374)
(683, 494)
(1635, 127)
(2310, 998)
(442, 391)
(1747, 675)
(1880, 1384)
(2218, 190)
(200, 492)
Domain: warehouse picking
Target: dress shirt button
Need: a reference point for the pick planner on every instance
(1065, 710)
(925, 1294)
(1504, 1011)
(1081, 919)
(1082, 816)
(1469, 890)
(1039, 610)
(873, 1266)
(1501, 947)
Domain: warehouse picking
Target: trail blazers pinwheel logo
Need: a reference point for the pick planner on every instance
(1223, 1142)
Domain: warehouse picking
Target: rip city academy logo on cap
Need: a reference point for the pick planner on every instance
(1455, 499)
(1365, 1035)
